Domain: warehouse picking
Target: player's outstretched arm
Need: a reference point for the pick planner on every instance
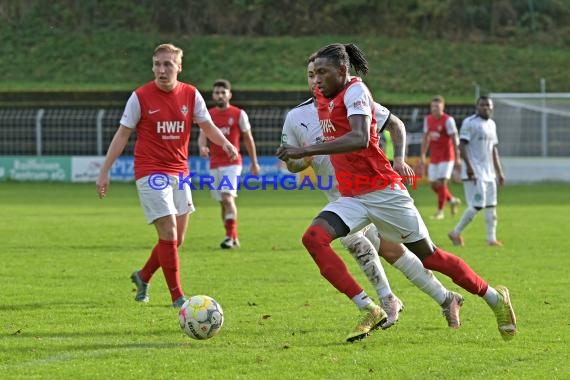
(424, 148)
(252, 153)
(203, 145)
(465, 157)
(498, 167)
(116, 147)
(455, 140)
(214, 134)
(397, 131)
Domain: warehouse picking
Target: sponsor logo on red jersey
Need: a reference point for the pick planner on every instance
(175, 126)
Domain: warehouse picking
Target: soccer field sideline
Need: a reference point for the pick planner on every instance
(67, 308)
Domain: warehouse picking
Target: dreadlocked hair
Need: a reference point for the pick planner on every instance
(347, 54)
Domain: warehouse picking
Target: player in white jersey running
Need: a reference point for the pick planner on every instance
(481, 170)
(301, 128)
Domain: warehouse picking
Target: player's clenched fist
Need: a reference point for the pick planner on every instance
(230, 150)
(286, 152)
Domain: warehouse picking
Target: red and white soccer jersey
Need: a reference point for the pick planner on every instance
(362, 171)
(390, 207)
(301, 128)
(163, 121)
(231, 122)
(441, 133)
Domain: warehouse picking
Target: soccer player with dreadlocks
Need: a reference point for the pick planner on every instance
(371, 192)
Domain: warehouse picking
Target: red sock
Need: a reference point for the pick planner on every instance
(456, 269)
(168, 257)
(151, 266)
(448, 195)
(231, 228)
(441, 196)
(317, 241)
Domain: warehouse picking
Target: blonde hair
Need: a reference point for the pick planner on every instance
(438, 99)
(169, 48)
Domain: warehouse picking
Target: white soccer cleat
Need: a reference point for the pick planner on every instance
(392, 305)
(454, 205)
(229, 243)
(450, 309)
(438, 215)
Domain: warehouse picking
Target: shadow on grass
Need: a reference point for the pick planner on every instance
(84, 304)
(30, 333)
(40, 305)
(88, 351)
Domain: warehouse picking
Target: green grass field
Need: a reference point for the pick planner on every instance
(67, 308)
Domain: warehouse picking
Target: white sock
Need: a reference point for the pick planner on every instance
(361, 300)
(491, 296)
(367, 258)
(466, 218)
(424, 279)
(372, 234)
(491, 222)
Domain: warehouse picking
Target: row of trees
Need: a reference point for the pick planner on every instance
(449, 19)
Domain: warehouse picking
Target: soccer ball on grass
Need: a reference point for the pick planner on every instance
(201, 317)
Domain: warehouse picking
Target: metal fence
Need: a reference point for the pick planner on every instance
(88, 131)
(533, 124)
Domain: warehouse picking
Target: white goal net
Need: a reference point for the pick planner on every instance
(533, 124)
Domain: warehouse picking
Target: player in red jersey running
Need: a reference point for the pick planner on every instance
(234, 123)
(346, 116)
(440, 138)
(162, 112)
(302, 128)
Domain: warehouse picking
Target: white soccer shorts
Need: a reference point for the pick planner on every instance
(391, 210)
(229, 175)
(440, 170)
(160, 197)
(480, 193)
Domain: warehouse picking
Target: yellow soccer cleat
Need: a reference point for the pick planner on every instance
(373, 316)
(506, 319)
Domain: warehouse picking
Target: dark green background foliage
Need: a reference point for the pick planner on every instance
(452, 19)
(415, 47)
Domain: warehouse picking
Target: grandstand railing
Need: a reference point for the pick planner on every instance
(88, 131)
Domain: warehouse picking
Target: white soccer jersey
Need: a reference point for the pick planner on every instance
(301, 128)
(481, 136)
(382, 115)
